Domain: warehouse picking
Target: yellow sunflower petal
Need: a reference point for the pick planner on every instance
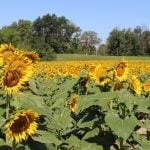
(121, 71)
(22, 125)
(137, 87)
(16, 73)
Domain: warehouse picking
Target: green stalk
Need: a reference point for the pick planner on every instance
(7, 105)
(8, 97)
(121, 143)
(14, 144)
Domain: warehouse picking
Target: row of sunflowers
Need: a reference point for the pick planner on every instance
(73, 105)
(102, 72)
(17, 66)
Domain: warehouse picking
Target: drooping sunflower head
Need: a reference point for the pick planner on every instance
(73, 103)
(136, 85)
(7, 51)
(121, 71)
(146, 86)
(22, 125)
(84, 80)
(120, 85)
(15, 74)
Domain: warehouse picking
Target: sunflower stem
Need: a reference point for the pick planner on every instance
(14, 144)
(7, 105)
(121, 143)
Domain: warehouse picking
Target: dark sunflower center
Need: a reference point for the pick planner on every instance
(20, 125)
(120, 69)
(12, 78)
(73, 103)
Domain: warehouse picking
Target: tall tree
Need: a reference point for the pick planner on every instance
(89, 40)
(102, 50)
(145, 42)
(9, 34)
(25, 32)
(114, 42)
(123, 42)
(54, 31)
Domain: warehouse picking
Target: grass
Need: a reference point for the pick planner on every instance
(76, 57)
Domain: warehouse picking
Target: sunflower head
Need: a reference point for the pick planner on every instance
(83, 81)
(98, 72)
(91, 70)
(33, 56)
(121, 71)
(15, 74)
(7, 51)
(120, 85)
(146, 86)
(73, 103)
(74, 70)
(105, 81)
(63, 71)
(22, 125)
(136, 85)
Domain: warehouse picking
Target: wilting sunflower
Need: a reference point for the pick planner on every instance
(121, 71)
(22, 125)
(16, 73)
(120, 85)
(84, 80)
(7, 51)
(146, 86)
(73, 103)
(137, 87)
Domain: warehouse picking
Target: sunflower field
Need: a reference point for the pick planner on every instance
(73, 105)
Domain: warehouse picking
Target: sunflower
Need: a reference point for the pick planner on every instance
(74, 70)
(146, 86)
(33, 56)
(121, 71)
(84, 80)
(91, 70)
(105, 80)
(7, 51)
(137, 87)
(98, 72)
(120, 85)
(16, 73)
(73, 103)
(63, 71)
(22, 125)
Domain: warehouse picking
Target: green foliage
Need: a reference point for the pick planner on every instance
(121, 127)
(102, 119)
(128, 42)
(123, 42)
(47, 35)
(51, 35)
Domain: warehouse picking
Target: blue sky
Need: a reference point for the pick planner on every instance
(100, 16)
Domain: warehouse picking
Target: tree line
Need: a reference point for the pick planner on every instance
(50, 34)
(131, 42)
